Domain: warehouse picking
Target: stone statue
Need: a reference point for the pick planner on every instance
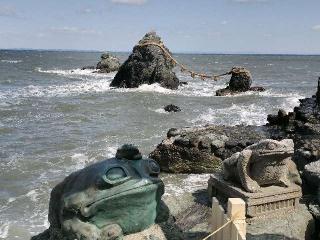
(106, 200)
(267, 162)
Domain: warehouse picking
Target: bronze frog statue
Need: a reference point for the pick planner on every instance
(108, 199)
(267, 162)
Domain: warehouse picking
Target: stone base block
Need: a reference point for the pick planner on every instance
(272, 199)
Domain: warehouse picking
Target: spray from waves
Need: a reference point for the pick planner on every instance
(176, 185)
(4, 230)
(77, 73)
(234, 115)
(11, 61)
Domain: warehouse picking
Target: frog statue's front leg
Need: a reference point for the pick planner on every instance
(243, 167)
(76, 229)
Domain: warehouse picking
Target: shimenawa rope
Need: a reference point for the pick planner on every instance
(183, 68)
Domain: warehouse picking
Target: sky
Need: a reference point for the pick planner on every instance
(197, 26)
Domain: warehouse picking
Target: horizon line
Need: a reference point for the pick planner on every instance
(173, 52)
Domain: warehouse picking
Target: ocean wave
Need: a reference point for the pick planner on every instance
(4, 230)
(77, 73)
(176, 185)
(11, 61)
(235, 114)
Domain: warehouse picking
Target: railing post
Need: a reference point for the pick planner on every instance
(237, 212)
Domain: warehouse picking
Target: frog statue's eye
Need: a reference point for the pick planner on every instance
(114, 176)
(153, 168)
(115, 173)
(271, 146)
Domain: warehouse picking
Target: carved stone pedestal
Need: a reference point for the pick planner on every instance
(269, 200)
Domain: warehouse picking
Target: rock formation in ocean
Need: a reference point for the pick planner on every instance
(202, 149)
(147, 64)
(172, 108)
(240, 81)
(108, 63)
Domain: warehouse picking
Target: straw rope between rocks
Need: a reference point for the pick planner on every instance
(183, 68)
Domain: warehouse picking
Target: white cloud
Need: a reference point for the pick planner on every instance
(8, 11)
(224, 22)
(316, 28)
(130, 2)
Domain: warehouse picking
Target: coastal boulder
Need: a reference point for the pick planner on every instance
(108, 63)
(240, 81)
(172, 108)
(202, 149)
(147, 64)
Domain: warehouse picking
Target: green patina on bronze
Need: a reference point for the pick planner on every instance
(109, 198)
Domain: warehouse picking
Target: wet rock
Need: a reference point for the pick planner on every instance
(108, 63)
(147, 64)
(281, 119)
(240, 81)
(88, 68)
(172, 108)
(312, 173)
(201, 150)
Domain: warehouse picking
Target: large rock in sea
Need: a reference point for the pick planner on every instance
(202, 149)
(240, 81)
(147, 64)
(108, 63)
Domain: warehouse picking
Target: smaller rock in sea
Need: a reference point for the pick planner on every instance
(108, 63)
(172, 108)
(240, 81)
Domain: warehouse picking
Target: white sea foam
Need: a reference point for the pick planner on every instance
(159, 110)
(11, 61)
(189, 183)
(4, 230)
(233, 115)
(80, 160)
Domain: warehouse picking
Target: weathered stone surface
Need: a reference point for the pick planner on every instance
(106, 200)
(294, 225)
(172, 108)
(270, 199)
(108, 63)
(267, 162)
(202, 149)
(146, 65)
(240, 81)
(312, 173)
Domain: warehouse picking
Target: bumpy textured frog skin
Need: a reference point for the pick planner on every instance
(107, 200)
(267, 162)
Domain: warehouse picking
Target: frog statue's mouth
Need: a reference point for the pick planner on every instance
(285, 153)
(142, 193)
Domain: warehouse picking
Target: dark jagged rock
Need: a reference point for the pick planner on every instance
(172, 108)
(312, 174)
(240, 81)
(108, 63)
(147, 64)
(201, 150)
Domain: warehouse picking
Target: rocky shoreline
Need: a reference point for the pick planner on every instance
(202, 150)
